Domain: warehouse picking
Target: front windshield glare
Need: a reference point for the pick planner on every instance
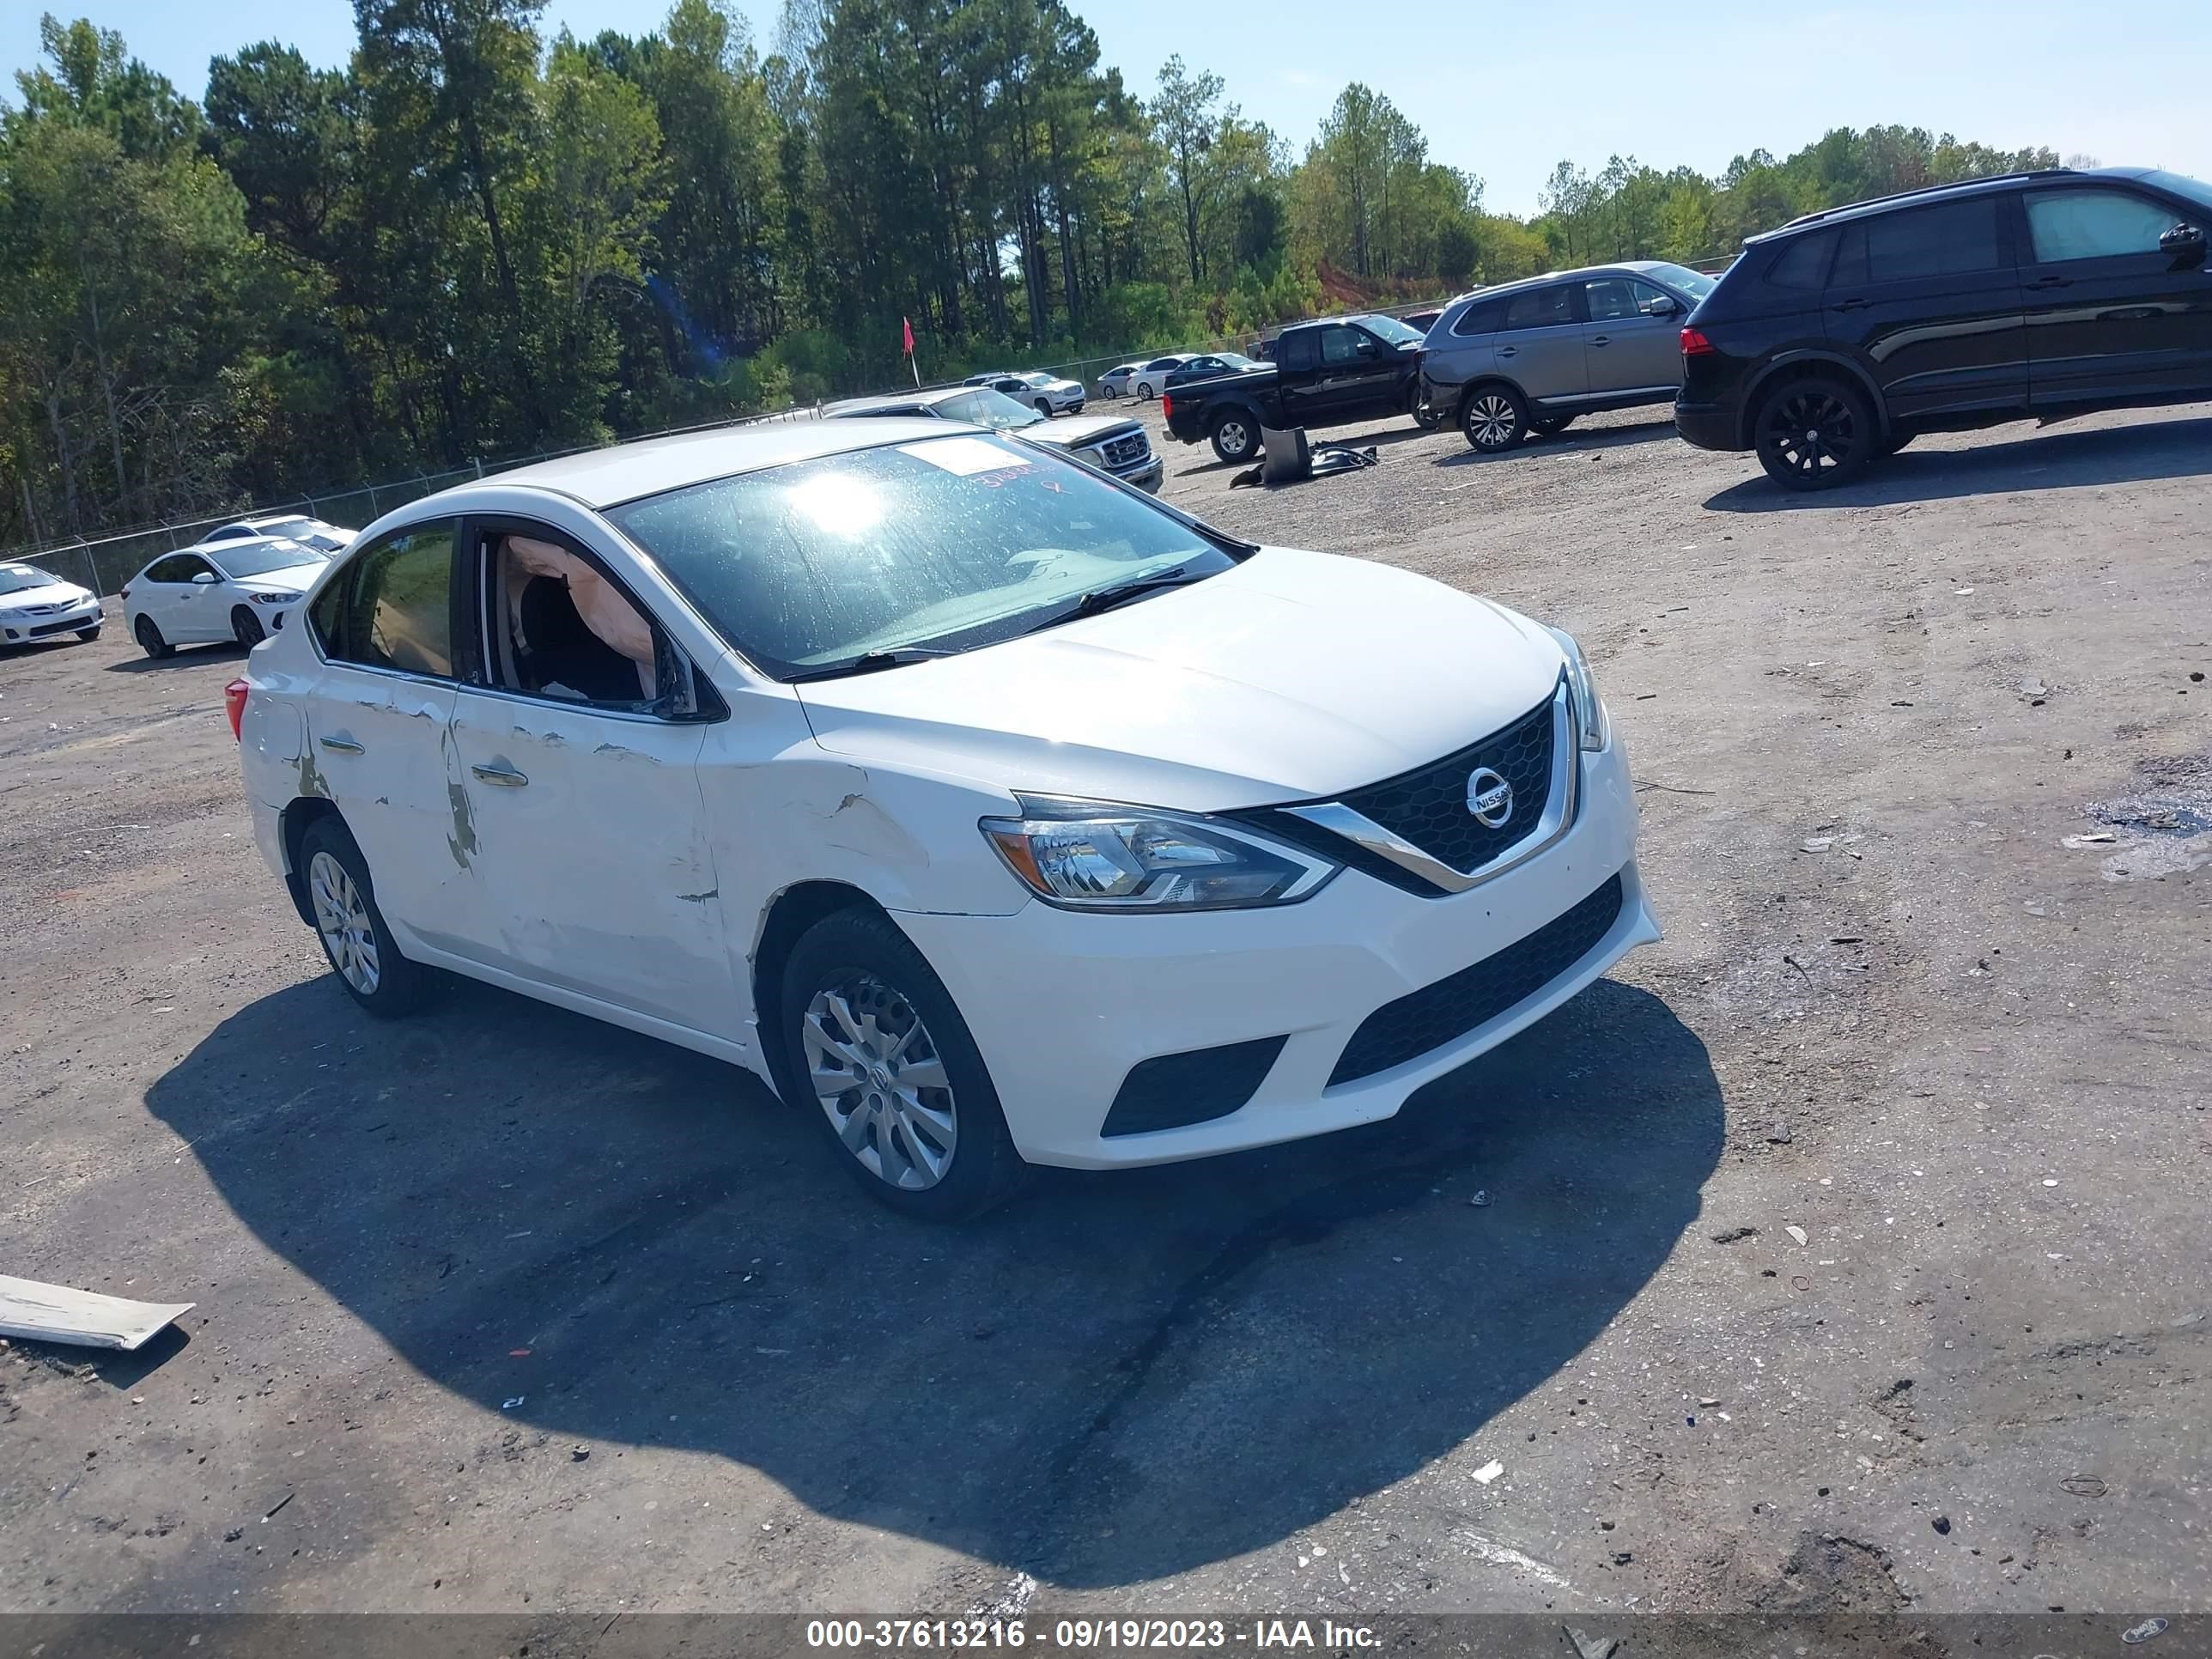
(985, 407)
(948, 544)
(1392, 330)
(259, 558)
(1694, 283)
(22, 578)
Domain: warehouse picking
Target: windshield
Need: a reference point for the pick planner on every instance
(2182, 184)
(985, 407)
(1037, 377)
(259, 558)
(1693, 283)
(22, 578)
(1390, 329)
(285, 527)
(950, 543)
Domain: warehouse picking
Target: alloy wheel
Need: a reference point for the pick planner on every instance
(342, 918)
(880, 1079)
(1813, 432)
(1492, 422)
(1236, 440)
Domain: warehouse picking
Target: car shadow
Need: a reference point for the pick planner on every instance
(2048, 460)
(1350, 437)
(1573, 438)
(1118, 1377)
(184, 656)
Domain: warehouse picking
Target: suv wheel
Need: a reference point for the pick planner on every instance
(355, 939)
(1235, 436)
(1044, 409)
(872, 1039)
(1426, 416)
(1494, 418)
(1814, 434)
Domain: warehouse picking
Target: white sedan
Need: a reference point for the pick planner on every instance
(241, 591)
(994, 813)
(37, 605)
(1114, 382)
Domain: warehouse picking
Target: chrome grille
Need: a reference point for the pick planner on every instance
(1126, 452)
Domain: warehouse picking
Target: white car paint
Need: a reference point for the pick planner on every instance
(1114, 382)
(196, 595)
(634, 877)
(1152, 376)
(36, 604)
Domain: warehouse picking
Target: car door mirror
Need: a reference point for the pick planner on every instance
(2186, 243)
(206, 579)
(1365, 347)
(1660, 304)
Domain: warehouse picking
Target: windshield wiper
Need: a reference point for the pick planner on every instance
(1105, 598)
(868, 662)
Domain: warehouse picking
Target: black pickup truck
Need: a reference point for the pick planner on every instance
(1347, 368)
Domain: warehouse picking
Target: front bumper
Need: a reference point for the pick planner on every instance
(24, 629)
(1146, 474)
(1709, 426)
(1063, 1005)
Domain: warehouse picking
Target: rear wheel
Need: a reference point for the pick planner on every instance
(1545, 425)
(1426, 416)
(1493, 419)
(1814, 434)
(872, 1039)
(1144, 390)
(1236, 435)
(247, 627)
(150, 639)
(351, 926)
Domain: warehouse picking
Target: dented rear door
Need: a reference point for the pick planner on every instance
(590, 847)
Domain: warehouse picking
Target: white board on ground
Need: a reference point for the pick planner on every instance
(54, 1313)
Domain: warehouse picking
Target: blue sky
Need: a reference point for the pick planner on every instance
(1506, 93)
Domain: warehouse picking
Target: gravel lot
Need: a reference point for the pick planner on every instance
(1849, 1249)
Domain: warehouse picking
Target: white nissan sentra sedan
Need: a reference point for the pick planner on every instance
(991, 811)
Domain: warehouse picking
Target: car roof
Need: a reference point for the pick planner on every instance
(1956, 188)
(624, 473)
(929, 398)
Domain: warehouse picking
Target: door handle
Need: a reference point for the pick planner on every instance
(1507, 351)
(1849, 305)
(1602, 339)
(340, 746)
(505, 776)
(2051, 282)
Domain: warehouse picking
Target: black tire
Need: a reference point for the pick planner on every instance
(1814, 433)
(150, 640)
(391, 985)
(860, 956)
(1145, 390)
(1427, 417)
(1044, 409)
(247, 627)
(1544, 426)
(1896, 438)
(1493, 418)
(1236, 435)
(88, 634)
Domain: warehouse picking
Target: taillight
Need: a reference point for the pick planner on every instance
(125, 594)
(1695, 342)
(234, 702)
(1167, 407)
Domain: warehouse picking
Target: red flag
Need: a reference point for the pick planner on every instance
(908, 328)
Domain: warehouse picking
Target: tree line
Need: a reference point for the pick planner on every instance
(472, 242)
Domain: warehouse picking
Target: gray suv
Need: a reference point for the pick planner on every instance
(1530, 356)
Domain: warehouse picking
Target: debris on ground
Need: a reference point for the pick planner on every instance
(2142, 1633)
(1480, 1201)
(83, 1319)
(1779, 1134)
(1796, 1232)
(1942, 1525)
(1735, 1235)
(2084, 1486)
(1489, 1472)
(513, 1404)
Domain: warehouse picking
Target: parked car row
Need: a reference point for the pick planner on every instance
(1826, 345)
(1047, 394)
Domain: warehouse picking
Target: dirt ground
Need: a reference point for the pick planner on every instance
(1847, 1249)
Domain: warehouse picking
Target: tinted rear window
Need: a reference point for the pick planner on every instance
(1803, 262)
(1955, 239)
(1541, 308)
(1479, 319)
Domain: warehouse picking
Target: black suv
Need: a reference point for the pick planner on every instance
(1833, 340)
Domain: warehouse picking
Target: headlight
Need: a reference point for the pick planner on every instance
(1589, 707)
(1088, 856)
(272, 599)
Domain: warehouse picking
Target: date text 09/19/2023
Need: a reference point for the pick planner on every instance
(1091, 1635)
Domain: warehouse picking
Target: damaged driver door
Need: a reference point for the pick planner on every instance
(580, 770)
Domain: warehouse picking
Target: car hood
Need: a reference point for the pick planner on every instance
(1079, 431)
(292, 578)
(1293, 676)
(46, 593)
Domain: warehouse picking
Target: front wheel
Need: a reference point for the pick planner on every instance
(88, 634)
(1044, 409)
(873, 1039)
(1494, 419)
(1814, 434)
(352, 928)
(1234, 437)
(247, 627)
(150, 640)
